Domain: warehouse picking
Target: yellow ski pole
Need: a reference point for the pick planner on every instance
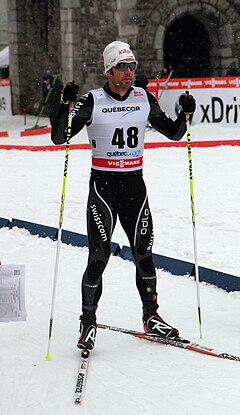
(65, 173)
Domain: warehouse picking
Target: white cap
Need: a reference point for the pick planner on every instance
(115, 52)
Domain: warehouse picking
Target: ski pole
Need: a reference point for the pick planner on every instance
(193, 219)
(165, 85)
(65, 172)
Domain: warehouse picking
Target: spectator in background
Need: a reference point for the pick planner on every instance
(164, 73)
(141, 81)
(4, 72)
(232, 69)
(51, 91)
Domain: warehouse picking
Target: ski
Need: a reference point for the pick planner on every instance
(179, 342)
(82, 375)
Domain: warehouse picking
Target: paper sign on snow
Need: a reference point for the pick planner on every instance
(12, 293)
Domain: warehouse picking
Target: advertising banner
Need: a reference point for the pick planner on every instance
(5, 97)
(218, 99)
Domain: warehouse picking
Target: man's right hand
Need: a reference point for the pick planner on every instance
(70, 93)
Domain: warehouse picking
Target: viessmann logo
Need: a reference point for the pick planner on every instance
(121, 109)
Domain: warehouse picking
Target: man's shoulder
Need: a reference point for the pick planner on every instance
(98, 92)
(138, 91)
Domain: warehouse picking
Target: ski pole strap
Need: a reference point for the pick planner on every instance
(187, 115)
(64, 102)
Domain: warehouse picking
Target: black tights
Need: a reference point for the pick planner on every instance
(121, 195)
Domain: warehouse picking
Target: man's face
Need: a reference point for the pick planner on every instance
(122, 75)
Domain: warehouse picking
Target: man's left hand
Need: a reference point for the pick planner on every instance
(187, 103)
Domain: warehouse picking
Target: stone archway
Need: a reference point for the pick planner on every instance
(186, 48)
(219, 26)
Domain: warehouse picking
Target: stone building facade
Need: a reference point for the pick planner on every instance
(195, 37)
(3, 24)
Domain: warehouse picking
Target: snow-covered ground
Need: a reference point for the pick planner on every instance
(126, 375)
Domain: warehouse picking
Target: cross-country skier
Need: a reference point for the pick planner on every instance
(115, 116)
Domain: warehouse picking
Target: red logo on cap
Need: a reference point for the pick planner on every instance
(120, 52)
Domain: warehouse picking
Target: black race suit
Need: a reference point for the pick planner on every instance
(117, 194)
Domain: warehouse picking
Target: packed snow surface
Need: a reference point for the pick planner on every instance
(126, 375)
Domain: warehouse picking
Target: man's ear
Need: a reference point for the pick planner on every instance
(109, 73)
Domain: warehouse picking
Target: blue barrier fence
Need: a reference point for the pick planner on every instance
(178, 267)
(175, 266)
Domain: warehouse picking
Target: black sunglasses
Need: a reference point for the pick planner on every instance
(123, 66)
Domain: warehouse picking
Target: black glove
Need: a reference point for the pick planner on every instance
(70, 93)
(187, 103)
